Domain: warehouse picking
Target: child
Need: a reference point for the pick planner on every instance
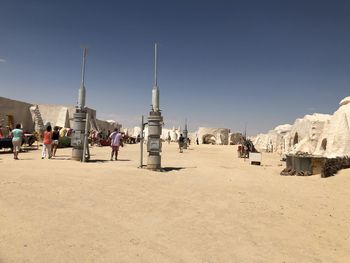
(47, 142)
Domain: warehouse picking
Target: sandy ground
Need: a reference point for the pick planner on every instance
(209, 207)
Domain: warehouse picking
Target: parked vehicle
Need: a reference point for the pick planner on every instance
(29, 139)
(6, 143)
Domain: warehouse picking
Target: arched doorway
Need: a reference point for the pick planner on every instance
(209, 139)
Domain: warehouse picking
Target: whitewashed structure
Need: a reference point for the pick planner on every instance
(317, 134)
(34, 116)
(306, 132)
(218, 136)
(335, 138)
(16, 112)
(275, 140)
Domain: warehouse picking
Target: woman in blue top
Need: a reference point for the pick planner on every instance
(17, 135)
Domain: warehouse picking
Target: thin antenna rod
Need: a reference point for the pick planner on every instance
(83, 67)
(155, 64)
(82, 91)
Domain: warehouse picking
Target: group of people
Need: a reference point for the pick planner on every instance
(51, 140)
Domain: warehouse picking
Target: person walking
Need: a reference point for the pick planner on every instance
(116, 141)
(181, 143)
(47, 143)
(55, 140)
(169, 138)
(17, 135)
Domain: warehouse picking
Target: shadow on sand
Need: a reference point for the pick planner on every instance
(97, 161)
(103, 161)
(169, 169)
(62, 158)
(59, 158)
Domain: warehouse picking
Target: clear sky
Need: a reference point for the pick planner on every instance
(221, 63)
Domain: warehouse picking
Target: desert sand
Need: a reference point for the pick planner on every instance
(209, 206)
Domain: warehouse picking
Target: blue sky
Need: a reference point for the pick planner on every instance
(221, 63)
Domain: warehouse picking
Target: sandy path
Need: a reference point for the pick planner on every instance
(218, 208)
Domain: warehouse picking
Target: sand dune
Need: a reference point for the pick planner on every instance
(209, 206)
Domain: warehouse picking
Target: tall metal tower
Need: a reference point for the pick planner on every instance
(185, 134)
(80, 122)
(155, 121)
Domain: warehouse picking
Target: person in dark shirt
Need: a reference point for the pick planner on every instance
(181, 143)
(55, 140)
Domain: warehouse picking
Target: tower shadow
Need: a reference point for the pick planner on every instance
(170, 168)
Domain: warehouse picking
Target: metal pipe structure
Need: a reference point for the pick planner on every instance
(155, 64)
(86, 152)
(78, 141)
(155, 90)
(82, 90)
(185, 134)
(141, 143)
(155, 120)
